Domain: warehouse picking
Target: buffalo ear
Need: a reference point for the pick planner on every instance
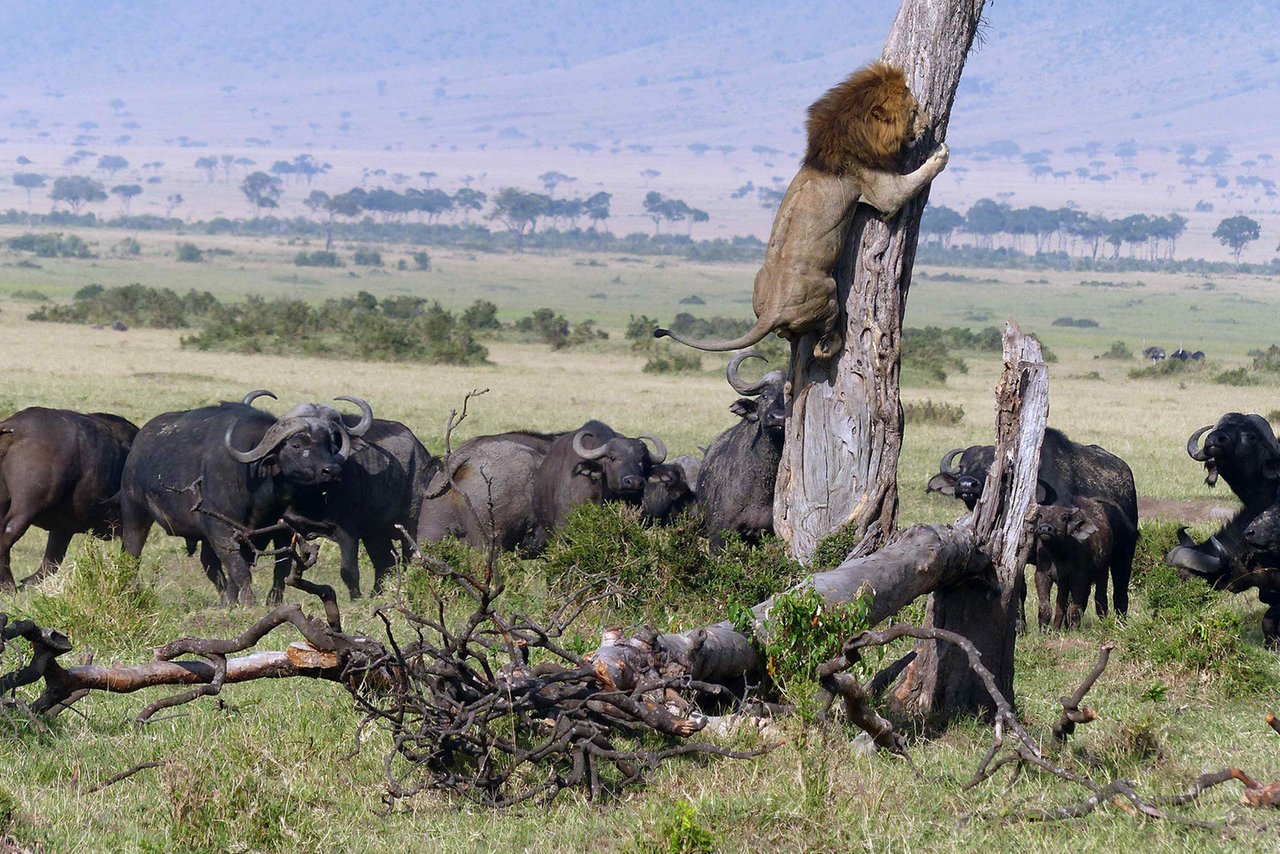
(942, 482)
(589, 468)
(745, 407)
(1081, 528)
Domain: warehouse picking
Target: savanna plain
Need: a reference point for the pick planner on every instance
(275, 765)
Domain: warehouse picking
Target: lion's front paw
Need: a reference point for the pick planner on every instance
(941, 155)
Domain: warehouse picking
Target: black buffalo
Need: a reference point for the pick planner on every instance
(670, 490)
(59, 470)
(1243, 451)
(246, 468)
(484, 494)
(1067, 469)
(591, 465)
(740, 469)
(1073, 550)
(383, 480)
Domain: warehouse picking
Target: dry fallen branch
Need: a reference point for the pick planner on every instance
(1072, 713)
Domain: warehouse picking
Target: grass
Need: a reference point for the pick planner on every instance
(270, 767)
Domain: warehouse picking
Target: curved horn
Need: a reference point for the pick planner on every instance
(661, 455)
(276, 434)
(249, 398)
(1193, 444)
(366, 416)
(584, 452)
(1045, 493)
(947, 466)
(344, 450)
(740, 385)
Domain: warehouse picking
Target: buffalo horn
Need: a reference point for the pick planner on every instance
(740, 385)
(661, 450)
(584, 452)
(277, 433)
(1045, 493)
(249, 398)
(344, 450)
(366, 415)
(1193, 444)
(947, 466)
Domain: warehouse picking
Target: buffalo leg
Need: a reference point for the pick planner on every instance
(1100, 592)
(1062, 600)
(349, 567)
(54, 551)
(1271, 619)
(1121, 570)
(12, 530)
(213, 567)
(1078, 590)
(1044, 588)
(383, 558)
(281, 568)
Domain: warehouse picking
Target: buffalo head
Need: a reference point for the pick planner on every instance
(1243, 449)
(307, 445)
(764, 400)
(622, 462)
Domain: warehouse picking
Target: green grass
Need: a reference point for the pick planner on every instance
(271, 766)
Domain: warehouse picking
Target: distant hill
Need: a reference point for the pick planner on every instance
(608, 91)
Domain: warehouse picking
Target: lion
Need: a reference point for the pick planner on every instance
(857, 132)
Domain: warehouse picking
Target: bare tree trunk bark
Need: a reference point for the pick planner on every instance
(978, 561)
(938, 684)
(844, 432)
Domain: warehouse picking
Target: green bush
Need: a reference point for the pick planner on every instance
(681, 833)
(1189, 625)
(189, 253)
(1166, 368)
(422, 261)
(673, 362)
(1077, 322)
(136, 305)
(1119, 351)
(30, 296)
(365, 257)
(318, 258)
(1267, 360)
(481, 315)
(128, 248)
(1237, 377)
(928, 412)
(667, 568)
(51, 245)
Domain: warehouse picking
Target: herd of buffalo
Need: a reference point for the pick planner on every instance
(212, 475)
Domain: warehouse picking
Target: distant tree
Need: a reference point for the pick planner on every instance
(648, 175)
(551, 180)
(1126, 150)
(726, 150)
(940, 223)
(77, 191)
(261, 190)
(209, 164)
(112, 163)
(698, 148)
(127, 193)
(586, 147)
(519, 211)
(244, 163)
(23, 160)
(116, 105)
(172, 201)
(596, 208)
(432, 202)
(29, 181)
(697, 216)
(661, 208)
(427, 176)
(468, 200)
(986, 219)
(1237, 232)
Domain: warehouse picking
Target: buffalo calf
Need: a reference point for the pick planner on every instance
(1073, 550)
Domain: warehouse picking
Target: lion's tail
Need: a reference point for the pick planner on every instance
(754, 335)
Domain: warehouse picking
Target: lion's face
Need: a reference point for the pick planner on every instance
(865, 120)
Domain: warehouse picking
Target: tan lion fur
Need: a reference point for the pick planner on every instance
(856, 133)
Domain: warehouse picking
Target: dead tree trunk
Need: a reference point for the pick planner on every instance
(980, 557)
(938, 684)
(844, 432)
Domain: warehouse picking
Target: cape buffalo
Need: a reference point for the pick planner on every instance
(670, 489)
(1067, 470)
(59, 470)
(382, 484)
(206, 473)
(591, 465)
(1073, 550)
(1243, 450)
(735, 486)
(485, 494)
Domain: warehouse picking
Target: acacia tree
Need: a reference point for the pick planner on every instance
(519, 211)
(77, 191)
(261, 190)
(127, 193)
(29, 181)
(1237, 232)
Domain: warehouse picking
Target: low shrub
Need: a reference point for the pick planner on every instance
(1241, 376)
(318, 258)
(1077, 322)
(136, 305)
(1166, 368)
(422, 261)
(30, 296)
(51, 245)
(927, 412)
(671, 361)
(1119, 351)
(365, 257)
(189, 253)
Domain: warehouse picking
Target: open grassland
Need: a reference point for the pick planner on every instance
(271, 767)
